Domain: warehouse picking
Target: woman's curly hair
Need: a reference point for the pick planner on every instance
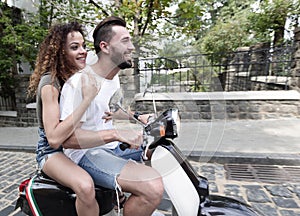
(51, 57)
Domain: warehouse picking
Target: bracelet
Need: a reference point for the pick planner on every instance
(136, 115)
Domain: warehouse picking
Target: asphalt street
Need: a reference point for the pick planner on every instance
(253, 161)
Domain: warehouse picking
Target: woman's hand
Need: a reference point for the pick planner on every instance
(89, 86)
(108, 116)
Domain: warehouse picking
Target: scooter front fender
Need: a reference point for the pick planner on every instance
(177, 184)
(183, 187)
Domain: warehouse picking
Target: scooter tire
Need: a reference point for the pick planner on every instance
(24, 206)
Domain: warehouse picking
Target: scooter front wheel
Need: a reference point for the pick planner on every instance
(174, 212)
(225, 206)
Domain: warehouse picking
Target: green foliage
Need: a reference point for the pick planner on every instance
(248, 23)
(272, 17)
(19, 38)
(217, 26)
(18, 42)
(188, 17)
(229, 30)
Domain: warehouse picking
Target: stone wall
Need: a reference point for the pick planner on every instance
(194, 106)
(25, 115)
(8, 118)
(226, 105)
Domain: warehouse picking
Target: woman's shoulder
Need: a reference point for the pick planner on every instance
(46, 79)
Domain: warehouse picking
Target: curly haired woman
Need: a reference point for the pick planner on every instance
(61, 54)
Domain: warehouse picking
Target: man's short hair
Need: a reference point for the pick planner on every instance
(103, 31)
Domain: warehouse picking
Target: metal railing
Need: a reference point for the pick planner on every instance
(245, 70)
(7, 103)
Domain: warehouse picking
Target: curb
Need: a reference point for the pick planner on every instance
(29, 149)
(218, 157)
(244, 158)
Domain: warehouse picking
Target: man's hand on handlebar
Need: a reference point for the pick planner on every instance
(132, 137)
(144, 118)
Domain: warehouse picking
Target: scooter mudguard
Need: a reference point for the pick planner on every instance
(46, 197)
(184, 194)
(22, 203)
(219, 205)
(177, 184)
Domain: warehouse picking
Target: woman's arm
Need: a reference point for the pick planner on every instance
(82, 139)
(58, 131)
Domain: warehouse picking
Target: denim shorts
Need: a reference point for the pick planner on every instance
(104, 165)
(44, 150)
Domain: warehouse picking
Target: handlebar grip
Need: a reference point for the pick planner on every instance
(124, 146)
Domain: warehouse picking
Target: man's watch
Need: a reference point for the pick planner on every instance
(136, 115)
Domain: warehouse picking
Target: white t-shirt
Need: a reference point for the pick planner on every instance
(71, 97)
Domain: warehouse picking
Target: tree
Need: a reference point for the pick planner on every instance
(271, 19)
(143, 16)
(234, 24)
(18, 39)
(228, 29)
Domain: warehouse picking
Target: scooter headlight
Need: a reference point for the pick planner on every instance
(172, 124)
(166, 125)
(176, 119)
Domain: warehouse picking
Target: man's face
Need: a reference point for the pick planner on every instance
(121, 47)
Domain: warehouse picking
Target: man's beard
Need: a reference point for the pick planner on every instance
(118, 57)
(125, 64)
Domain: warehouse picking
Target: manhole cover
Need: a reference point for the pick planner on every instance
(263, 173)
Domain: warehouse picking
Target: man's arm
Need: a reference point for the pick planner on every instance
(121, 115)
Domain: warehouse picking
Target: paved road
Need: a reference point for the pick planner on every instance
(280, 197)
(256, 139)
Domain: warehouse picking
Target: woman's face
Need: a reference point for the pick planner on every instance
(75, 49)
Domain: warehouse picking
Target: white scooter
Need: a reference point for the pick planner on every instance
(188, 191)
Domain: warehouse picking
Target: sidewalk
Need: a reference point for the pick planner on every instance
(258, 141)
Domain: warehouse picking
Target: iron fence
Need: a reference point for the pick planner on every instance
(249, 68)
(7, 103)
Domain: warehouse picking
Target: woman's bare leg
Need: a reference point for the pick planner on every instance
(66, 172)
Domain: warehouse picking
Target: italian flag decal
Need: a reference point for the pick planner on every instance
(31, 200)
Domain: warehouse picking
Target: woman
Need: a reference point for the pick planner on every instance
(61, 54)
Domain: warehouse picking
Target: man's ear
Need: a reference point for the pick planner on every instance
(104, 47)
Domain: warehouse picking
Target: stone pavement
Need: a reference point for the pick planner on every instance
(273, 199)
(254, 161)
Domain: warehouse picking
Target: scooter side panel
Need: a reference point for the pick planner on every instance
(51, 198)
(55, 199)
(177, 184)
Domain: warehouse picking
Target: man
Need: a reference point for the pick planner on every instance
(97, 142)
